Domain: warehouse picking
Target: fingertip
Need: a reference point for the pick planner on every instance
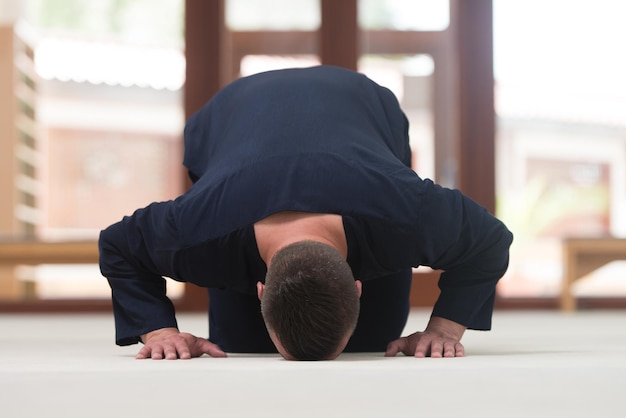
(215, 351)
(459, 350)
(142, 354)
(391, 350)
(397, 346)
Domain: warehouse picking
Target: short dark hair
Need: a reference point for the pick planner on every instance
(310, 301)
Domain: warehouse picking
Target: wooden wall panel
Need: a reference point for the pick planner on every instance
(475, 100)
(339, 32)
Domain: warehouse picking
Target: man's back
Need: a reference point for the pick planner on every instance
(294, 112)
(320, 139)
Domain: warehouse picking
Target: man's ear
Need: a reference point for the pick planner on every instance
(260, 287)
(359, 287)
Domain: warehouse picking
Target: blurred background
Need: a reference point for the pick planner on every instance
(521, 104)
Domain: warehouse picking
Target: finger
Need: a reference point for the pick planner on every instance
(211, 349)
(155, 352)
(423, 347)
(144, 353)
(392, 349)
(459, 349)
(396, 346)
(170, 352)
(449, 349)
(163, 350)
(436, 349)
(181, 350)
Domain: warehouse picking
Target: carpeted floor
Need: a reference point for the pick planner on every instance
(533, 364)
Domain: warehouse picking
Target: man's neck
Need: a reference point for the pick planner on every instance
(284, 228)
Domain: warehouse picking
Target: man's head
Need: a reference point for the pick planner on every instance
(310, 302)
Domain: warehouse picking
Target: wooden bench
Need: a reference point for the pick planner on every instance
(582, 256)
(31, 252)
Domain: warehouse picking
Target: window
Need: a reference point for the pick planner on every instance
(561, 137)
(107, 111)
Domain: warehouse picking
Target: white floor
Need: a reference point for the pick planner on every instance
(533, 364)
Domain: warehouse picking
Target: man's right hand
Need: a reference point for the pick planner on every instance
(170, 344)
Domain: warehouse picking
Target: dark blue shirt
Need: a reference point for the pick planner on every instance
(319, 140)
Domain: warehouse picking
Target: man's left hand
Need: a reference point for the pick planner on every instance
(442, 338)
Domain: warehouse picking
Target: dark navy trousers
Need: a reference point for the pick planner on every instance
(236, 324)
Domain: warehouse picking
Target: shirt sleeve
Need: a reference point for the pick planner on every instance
(134, 261)
(471, 247)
